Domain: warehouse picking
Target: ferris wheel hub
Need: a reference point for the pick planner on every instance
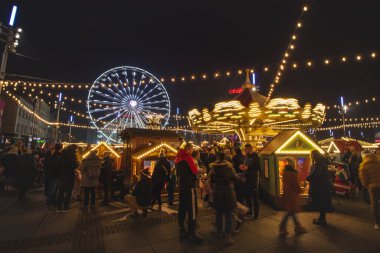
(133, 103)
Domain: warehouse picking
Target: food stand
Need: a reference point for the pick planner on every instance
(289, 143)
(103, 147)
(338, 148)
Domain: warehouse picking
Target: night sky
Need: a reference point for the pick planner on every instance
(75, 41)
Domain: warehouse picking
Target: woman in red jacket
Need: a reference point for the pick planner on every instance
(291, 198)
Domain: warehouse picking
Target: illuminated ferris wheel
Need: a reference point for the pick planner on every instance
(126, 97)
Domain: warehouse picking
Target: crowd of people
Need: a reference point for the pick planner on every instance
(226, 180)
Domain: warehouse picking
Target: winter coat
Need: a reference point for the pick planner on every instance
(237, 160)
(53, 166)
(320, 185)
(161, 172)
(106, 171)
(291, 189)
(26, 169)
(10, 161)
(369, 172)
(252, 173)
(90, 168)
(68, 163)
(143, 192)
(186, 171)
(222, 177)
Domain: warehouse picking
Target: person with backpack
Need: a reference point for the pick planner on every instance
(160, 176)
(90, 169)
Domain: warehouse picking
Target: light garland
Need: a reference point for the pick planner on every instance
(289, 49)
(374, 124)
(355, 103)
(156, 148)
(101, 144)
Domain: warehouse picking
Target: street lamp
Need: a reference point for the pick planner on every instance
(71, 122)
(343, 111)
(10, 36)
(59, 104)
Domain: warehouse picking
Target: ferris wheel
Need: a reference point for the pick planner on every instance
(126, 97)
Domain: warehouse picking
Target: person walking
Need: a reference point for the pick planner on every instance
(186, 173)
(320, 186)
(106, 176)
(251, 170)
(237, 161)
(52, 164)
(10, 161)
(291, 198)
(26, 168)
(369, 173)
(67, 165)
(160, 176)
(222, 177)
(90, 169)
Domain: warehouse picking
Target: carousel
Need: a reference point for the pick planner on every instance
(253, 118)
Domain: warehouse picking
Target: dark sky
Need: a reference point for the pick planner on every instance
(78, 40)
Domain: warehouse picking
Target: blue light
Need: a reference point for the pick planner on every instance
(13, 15)
(349, 133)
(60, 97)
(341, 101)
(71, 118)
(177, 110)
(253, 78)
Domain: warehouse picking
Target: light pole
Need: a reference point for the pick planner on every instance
(71, 122)
(59, 104)
(343, 109)
(176, 117)
(10, 36)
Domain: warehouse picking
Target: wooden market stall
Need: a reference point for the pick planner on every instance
(147, 157)
(289, 143)
(144, 142)
(103, 147)
(338, 148)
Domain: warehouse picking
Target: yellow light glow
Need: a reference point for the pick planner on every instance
(309, 63)
(327, 61)
(373, 55)
(228, 73)
(156, 148)
(294, 37)
(294, 65)
(344, 59)
(299, 24)
(292, 47)
(192, 77)
(358, 57)
(302, 136)
(266, 69)
(305, 8)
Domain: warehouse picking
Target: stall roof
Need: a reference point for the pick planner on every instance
(105, 145)
(286, 143)
(149, 150)
(340, 145)
(138, 132)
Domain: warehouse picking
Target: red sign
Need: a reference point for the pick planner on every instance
(235, 91)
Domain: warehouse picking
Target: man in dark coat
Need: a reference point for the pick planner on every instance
(25, 171)
(52, 164)
(67, 167)
(10, 162)
(142, 194)
(106, 176)
(161, 175)
(186, 172)
(251, 169)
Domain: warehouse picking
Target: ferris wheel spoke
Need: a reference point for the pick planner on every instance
(106, 102)
(155, 108)
(149, 98)
(154, 102)
(105, 95)
(102, 109)
(113, 93)
(142, 91)
(108, 115)
(150, 91)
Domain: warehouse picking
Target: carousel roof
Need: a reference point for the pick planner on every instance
(249, 95)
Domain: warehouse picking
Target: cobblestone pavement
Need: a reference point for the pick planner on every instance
(30, 226)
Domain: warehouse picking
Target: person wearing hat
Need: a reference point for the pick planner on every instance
(161, 175)
(251, 168)
(142, 194)
(52, 174)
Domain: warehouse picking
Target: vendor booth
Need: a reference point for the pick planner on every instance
(289, 143)
(339, 147)
(148, 157)
(103, 147)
